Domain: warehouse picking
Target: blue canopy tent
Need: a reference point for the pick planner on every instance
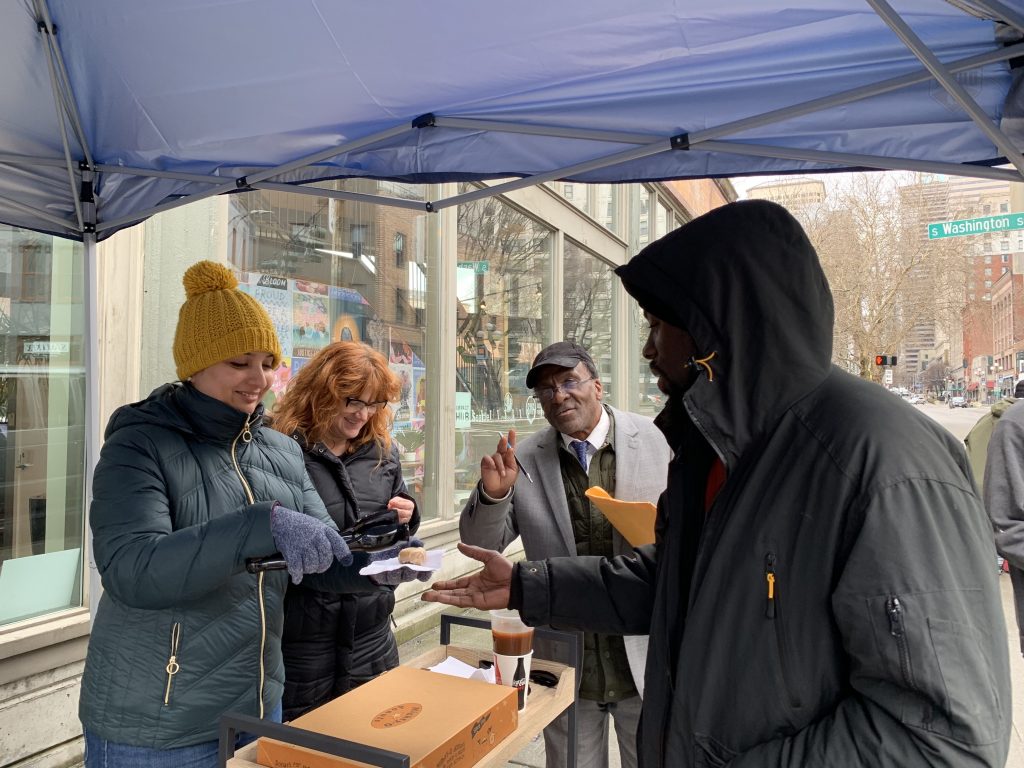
(113, 110)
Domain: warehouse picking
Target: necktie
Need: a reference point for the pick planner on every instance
(580, 447)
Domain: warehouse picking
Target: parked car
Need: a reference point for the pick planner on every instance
(957, 401)
(916, 400)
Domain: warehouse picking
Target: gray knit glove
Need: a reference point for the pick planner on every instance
(308, 545)
(396, 577)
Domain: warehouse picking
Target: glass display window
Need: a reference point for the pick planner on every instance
(503, 274)
(338, 270)
(42, 424)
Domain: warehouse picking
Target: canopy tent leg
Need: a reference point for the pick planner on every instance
(92, 409)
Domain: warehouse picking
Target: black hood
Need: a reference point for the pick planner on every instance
(746, 284)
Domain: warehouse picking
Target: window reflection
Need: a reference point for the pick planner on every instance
(502, 279)
(331, 270)
(587, 310)
(42, 424)
(607, 213)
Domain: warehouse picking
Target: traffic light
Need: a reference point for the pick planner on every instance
(882, 360)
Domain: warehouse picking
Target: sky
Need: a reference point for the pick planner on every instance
(742, 184)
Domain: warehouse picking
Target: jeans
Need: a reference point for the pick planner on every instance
(100, 753)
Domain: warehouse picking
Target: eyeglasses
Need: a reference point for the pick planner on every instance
(355, 405)
(547, 394)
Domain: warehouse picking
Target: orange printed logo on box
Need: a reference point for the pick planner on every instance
(396, 715)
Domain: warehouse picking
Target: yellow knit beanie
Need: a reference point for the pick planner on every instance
(218, 321)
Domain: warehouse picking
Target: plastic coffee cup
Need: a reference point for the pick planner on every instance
(513, 651)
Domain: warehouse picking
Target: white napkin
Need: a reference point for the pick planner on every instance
(456, 668)
(392, 564)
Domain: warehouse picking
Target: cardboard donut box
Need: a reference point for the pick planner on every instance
(437, 720)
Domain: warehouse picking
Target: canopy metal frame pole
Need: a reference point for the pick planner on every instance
(325, 154)
(947, 81)
(654, 148)
(31, 161)
(339, 194)
(1003, 12)
(199, 178)
(846, 158)
(60, 107)
(57, 55)
(64, 224)
(244, 182)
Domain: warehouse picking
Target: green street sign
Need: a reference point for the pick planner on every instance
(479, 267)
(985, 225)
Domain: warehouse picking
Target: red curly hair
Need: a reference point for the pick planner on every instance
(317, 395)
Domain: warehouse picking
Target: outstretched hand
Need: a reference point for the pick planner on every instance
(498, 472)
(486, 589)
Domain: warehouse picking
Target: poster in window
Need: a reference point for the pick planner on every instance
(273, 294)
(309, 328)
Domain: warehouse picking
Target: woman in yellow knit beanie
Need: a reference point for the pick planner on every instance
(190, 494)
(218, 321)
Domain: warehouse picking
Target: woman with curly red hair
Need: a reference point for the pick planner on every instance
(337, 409)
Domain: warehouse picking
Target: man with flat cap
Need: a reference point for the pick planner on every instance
(589, 443)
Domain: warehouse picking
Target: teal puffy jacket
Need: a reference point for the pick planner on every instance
(181, 498)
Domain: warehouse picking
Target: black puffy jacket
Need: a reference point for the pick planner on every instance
(333, 642)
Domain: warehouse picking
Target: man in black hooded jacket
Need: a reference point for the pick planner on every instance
(821, 592)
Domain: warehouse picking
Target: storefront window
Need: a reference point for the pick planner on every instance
(42, 424)
(607, 213)
(331, 270)
(643, 216)
(502, 279)
(662, 219)
(649, 399)
(587, 310)
(577, 194)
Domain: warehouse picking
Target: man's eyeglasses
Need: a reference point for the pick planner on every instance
(568, 387)
(355, 405)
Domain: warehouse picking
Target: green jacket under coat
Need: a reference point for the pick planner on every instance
(977, 439)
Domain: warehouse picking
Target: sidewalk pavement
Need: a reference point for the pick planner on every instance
(533, 755)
